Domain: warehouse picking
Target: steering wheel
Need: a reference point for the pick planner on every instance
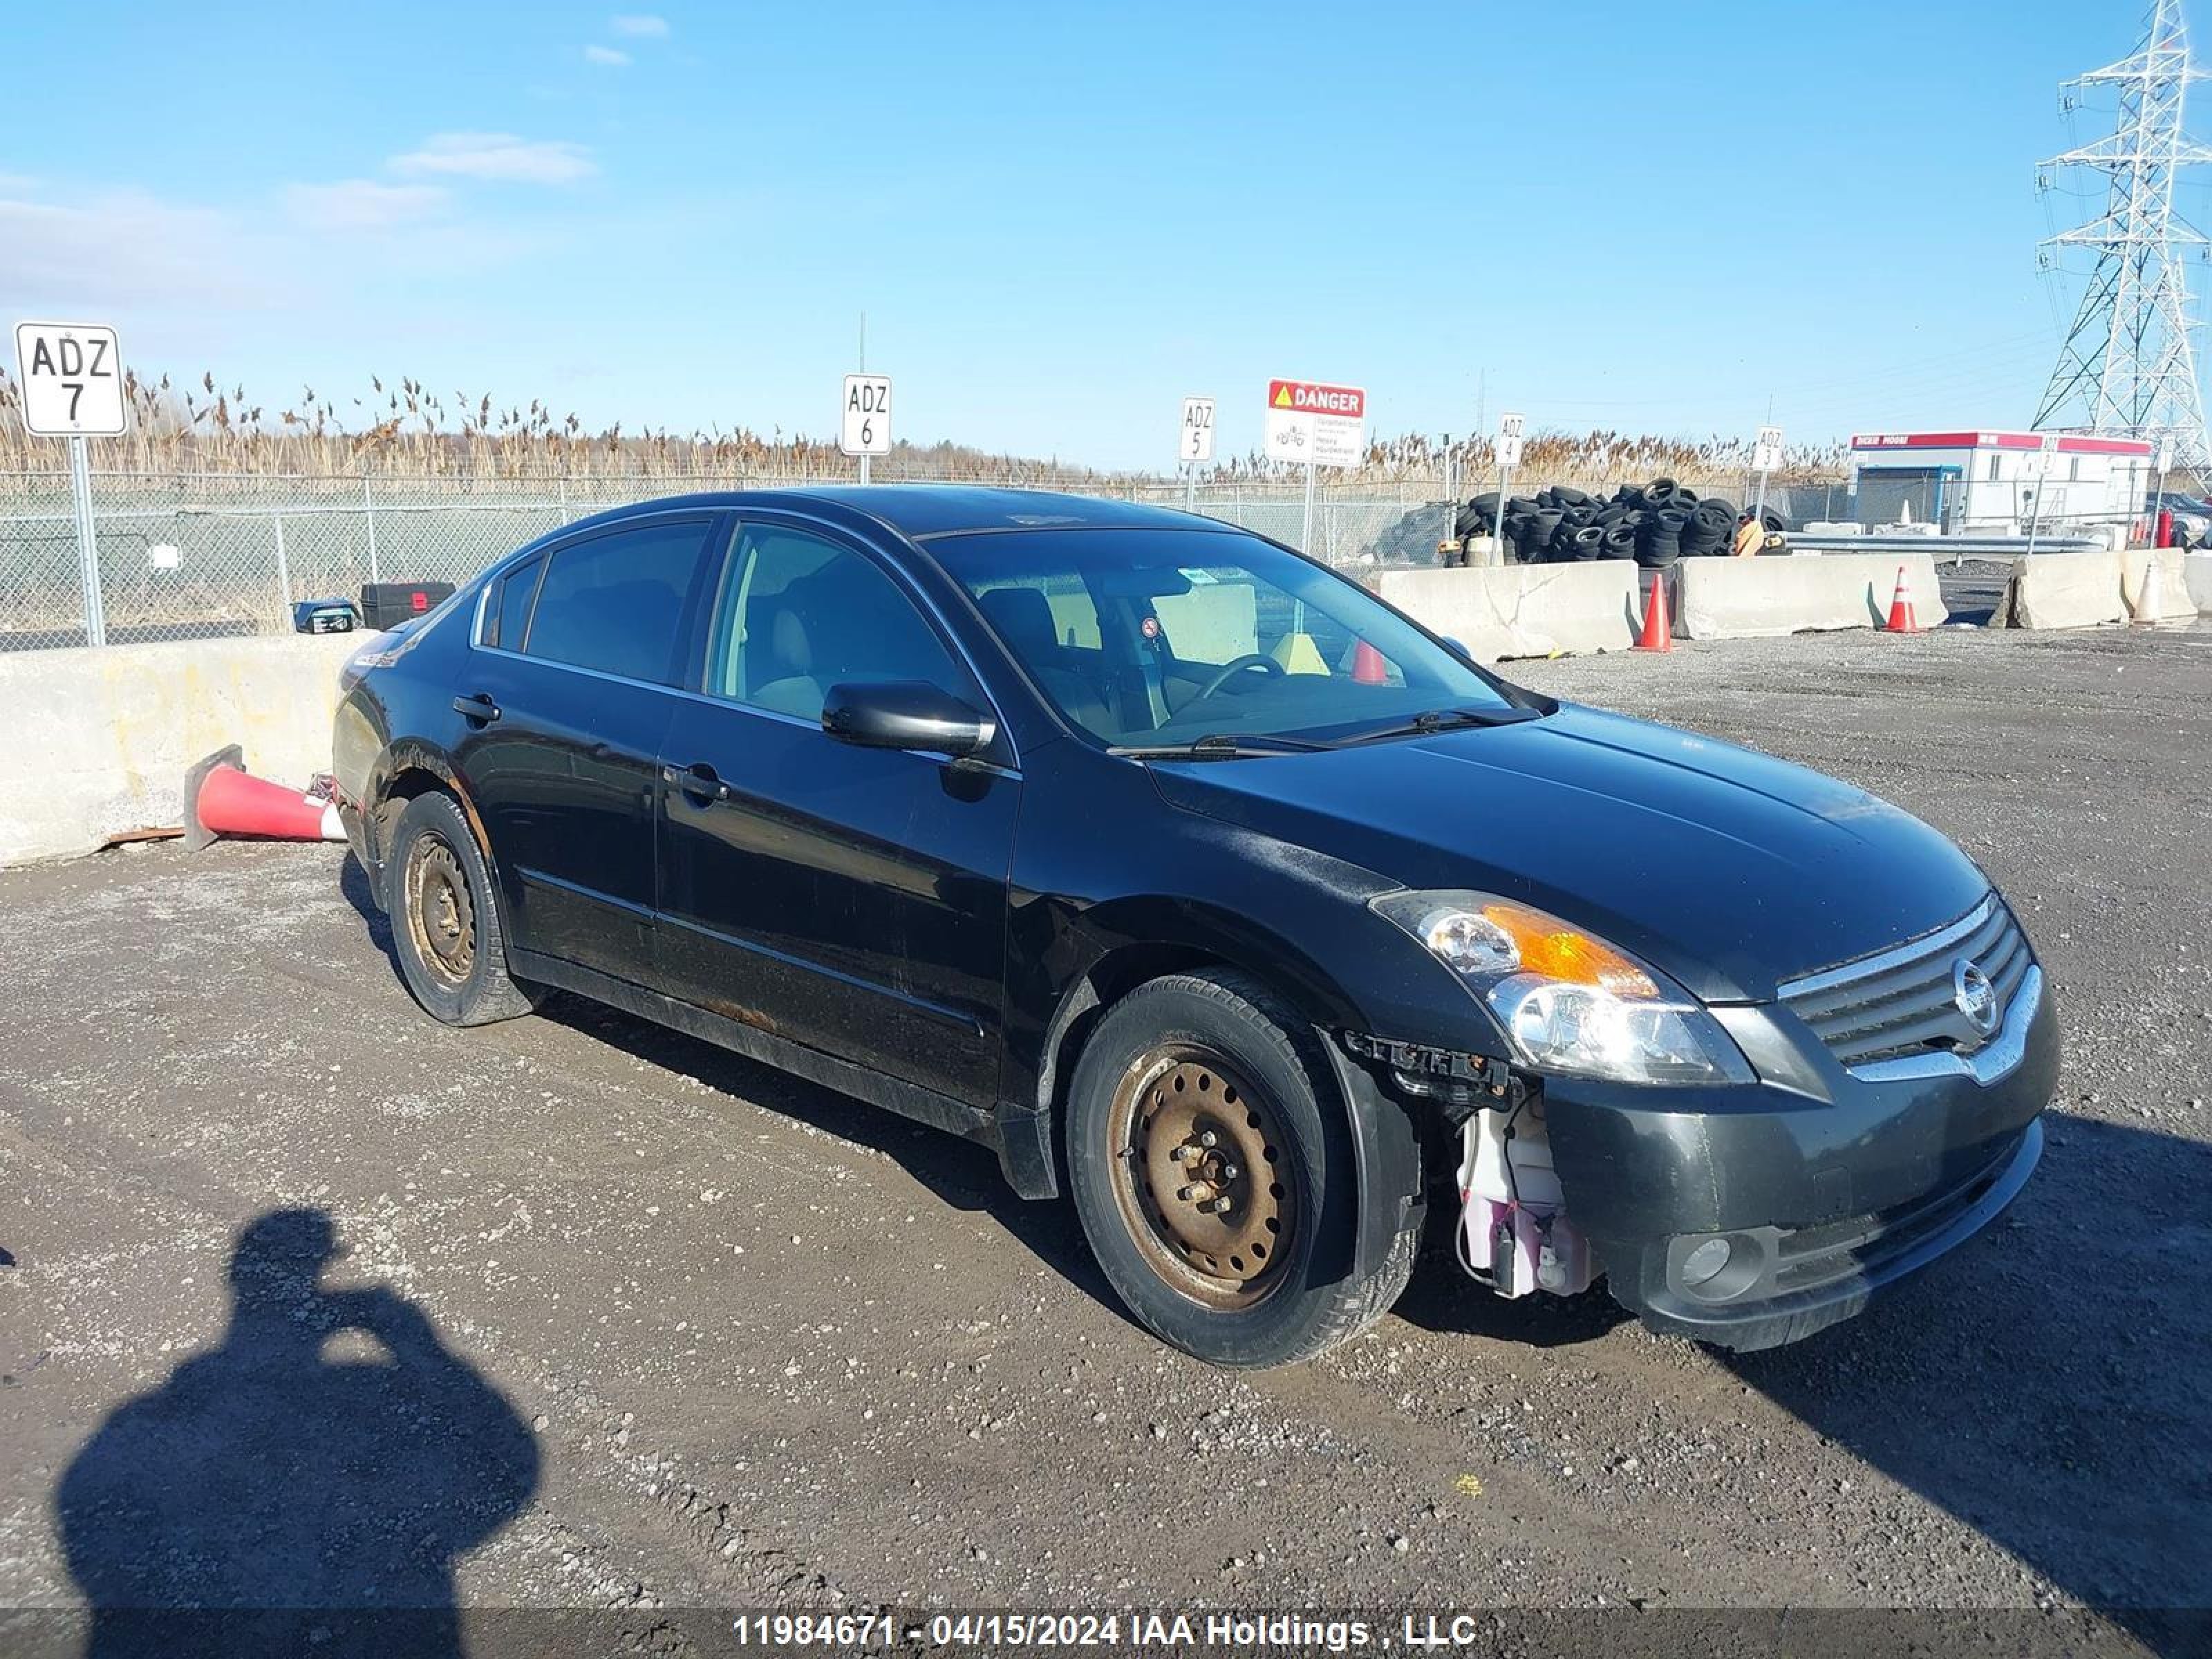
(1237, 665)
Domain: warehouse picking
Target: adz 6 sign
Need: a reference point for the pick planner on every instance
(72, 379)
(865, 428)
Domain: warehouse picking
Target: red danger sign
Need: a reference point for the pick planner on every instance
(1308, 398)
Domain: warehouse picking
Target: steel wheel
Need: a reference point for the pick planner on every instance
(1201, 1176)
(441, 918)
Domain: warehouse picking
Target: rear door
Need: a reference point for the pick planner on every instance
(565, 703)
(853, 900)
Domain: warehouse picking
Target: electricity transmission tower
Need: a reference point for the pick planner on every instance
(2127, 369)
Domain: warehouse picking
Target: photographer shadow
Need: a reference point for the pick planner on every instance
(269, 1498)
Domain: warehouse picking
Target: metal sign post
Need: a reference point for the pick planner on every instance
(72, 379)
(1451, 515)
(2043, 457)
(87, 541)
(1766, 458)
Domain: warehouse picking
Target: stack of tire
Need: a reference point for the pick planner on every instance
(1654, 523)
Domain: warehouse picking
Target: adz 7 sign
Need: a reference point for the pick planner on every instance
(72, 379)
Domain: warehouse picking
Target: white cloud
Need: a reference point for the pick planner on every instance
(361, 204)
(642, 25)
(498, 156)
(124, 248)
(606, 56)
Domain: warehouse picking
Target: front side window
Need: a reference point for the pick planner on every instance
(1161, 636)
(615, 602)
(798, 614)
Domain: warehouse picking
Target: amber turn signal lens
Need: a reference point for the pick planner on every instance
(1556, 952)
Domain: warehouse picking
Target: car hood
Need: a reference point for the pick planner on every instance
(1730, 871)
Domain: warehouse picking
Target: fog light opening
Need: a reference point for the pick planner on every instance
(1706, 1263)
(1719, 1268)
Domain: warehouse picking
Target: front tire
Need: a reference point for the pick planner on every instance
(1212, 1166)
(445, 919)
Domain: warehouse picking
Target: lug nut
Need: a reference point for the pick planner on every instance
(1230, 1172)
(1219, 1206)
(1184, 1153)
(1209, 1139)
(1197, 1190)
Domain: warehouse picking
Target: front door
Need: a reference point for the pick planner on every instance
(563, 709)
(853, 900)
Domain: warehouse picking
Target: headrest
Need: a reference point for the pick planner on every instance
(1022, 618)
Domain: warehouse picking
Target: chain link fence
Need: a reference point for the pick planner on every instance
(202, 556)
(186, 557)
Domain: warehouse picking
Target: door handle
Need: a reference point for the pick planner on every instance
(476, 707)
(700, 782)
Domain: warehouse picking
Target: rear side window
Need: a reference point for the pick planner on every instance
(616, 603)
(511, 616)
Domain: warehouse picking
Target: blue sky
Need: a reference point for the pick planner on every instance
(1058, 218)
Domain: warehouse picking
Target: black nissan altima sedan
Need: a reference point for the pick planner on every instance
(1198, 882)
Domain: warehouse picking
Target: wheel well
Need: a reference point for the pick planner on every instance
(1110, 979)
(405, 786)
(410, 783)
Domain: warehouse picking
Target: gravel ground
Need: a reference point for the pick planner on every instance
(676, 1330)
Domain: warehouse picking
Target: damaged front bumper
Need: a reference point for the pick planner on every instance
(1752, 1216)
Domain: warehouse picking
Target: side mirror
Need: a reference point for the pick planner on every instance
(1458, 647)
(905, 714)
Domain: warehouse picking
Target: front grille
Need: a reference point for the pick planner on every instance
(1903, 1001)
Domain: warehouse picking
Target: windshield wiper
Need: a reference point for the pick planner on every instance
(1216, 746)
(1444, 720)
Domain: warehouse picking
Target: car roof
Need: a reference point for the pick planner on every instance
(920, 511)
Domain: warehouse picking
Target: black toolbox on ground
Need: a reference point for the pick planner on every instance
(388, 604)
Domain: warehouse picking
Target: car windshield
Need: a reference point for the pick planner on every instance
(1159, 638)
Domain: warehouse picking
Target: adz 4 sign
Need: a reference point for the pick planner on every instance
(72, 379)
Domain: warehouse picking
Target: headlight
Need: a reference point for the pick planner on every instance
(1569, 1002)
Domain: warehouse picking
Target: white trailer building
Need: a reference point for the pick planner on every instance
(1984, 482)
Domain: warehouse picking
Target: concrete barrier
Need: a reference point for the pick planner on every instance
(2196, 577)
(1758, 599)
(98, 740)
(2159, 571)
(2063, 589)
(1522, 610)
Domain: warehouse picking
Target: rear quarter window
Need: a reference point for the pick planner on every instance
(616, 603)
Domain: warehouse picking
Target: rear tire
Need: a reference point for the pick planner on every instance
(1204, 1090)
(445, 919)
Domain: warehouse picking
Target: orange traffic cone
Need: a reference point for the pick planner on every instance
(222, 799)
(1658, 629)
(1901, 618)
(1368, 667)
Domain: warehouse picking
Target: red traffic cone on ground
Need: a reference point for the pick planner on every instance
(1658, 627)
(222, 799)
(1901, 618)
(1368, 667)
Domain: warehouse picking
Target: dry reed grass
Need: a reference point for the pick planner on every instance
(402, 428)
